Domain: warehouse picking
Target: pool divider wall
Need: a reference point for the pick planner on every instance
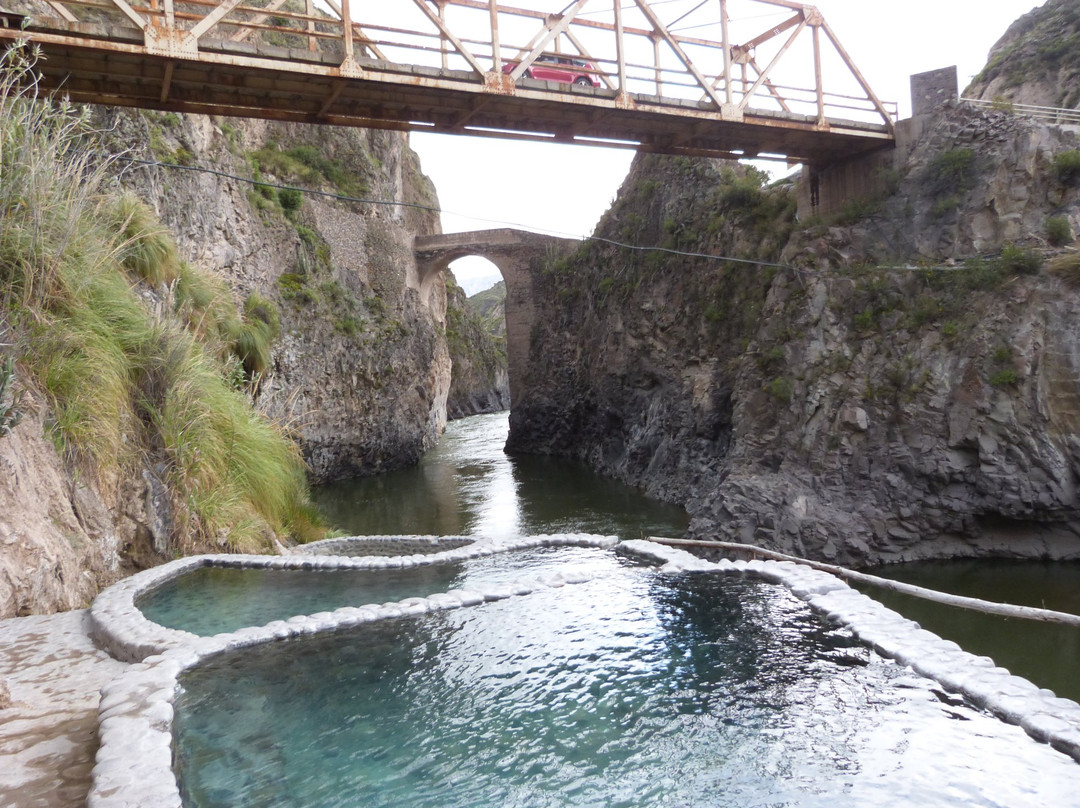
(118, 627)
(134, 760)
(358, 546)
(1013, 699)
(133, 768)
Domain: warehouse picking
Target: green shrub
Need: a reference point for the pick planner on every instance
(927, 309)
(349, 325)
(951, 172)
(1020, 261)
(1066, 166)
(1058, 231)
(772, 359)
(259, 309)
(182, 157)
(781, 389)
(865, 320)
(147, 249)
(1004, 378)
(291, 199)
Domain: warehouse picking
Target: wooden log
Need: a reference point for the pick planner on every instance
(974, 604)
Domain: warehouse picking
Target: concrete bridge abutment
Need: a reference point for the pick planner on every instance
(825, 189)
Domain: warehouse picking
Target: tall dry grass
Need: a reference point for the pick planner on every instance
(127, 387)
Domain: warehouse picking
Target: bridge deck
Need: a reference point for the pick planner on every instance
(113, 64)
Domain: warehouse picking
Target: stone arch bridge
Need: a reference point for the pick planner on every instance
(519, 255)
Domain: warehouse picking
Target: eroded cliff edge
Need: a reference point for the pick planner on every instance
(361, 368)
(333, 337)
(898, 381)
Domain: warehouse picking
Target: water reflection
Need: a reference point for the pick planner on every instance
(468, 486)
(1047, 654)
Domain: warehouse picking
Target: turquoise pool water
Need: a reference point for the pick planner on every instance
(632, 689)
(214, 600)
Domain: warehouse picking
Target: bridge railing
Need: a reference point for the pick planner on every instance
(1048, 114)
(718, 55)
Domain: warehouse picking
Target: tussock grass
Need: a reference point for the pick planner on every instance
(129, 384)
(147, 249)
(1067, 267)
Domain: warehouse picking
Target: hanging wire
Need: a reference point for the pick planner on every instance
(728, 259)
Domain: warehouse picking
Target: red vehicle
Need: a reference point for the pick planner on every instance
(564, 69)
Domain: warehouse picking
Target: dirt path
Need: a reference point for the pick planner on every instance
(48, 736)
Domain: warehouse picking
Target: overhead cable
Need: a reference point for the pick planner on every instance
(542, 231)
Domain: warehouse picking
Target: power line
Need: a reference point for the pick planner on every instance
(542, 231)
(393, 203)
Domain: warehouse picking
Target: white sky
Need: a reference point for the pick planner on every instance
(486, 183)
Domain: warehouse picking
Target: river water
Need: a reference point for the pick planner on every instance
(468, 486)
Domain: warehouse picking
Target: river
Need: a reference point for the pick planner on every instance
(468, 486)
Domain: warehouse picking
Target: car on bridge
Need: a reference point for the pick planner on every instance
(563, 69)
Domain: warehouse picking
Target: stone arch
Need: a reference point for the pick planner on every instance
(517, 255)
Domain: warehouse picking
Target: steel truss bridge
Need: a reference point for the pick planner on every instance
(730, 78)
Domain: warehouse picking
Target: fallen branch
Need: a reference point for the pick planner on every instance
(975, 604)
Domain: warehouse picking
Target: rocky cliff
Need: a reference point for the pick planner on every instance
(900, 381)
(361, 368)
(480, 382)
(336, 342)
(1037, 61)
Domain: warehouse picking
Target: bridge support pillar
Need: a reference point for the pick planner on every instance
(824, 190)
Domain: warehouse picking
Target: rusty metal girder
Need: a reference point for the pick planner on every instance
(213, 63)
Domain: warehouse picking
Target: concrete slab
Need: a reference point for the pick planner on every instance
(48, 735)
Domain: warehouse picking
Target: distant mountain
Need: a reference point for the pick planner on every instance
(472, 286)
(490, 306)
(1037, 61)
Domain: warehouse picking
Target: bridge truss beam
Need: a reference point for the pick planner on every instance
(462, 66)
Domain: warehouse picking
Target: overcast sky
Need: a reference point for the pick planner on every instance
(485, 183)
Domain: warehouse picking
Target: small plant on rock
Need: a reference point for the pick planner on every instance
(1004, 378)
(1020, 261)
(781, 389)
(1058, 231)
(10, 413)
(1067, 167)
(951, 172)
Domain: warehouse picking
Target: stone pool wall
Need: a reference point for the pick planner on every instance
(120, 628)
(357, 546)
(134, 761)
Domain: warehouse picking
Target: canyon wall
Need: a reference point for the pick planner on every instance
(361, 369)
(358, 369)
(900, 380)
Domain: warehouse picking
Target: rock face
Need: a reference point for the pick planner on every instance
(59, 540)
(827, 407)
(361, 369)
(1037, 61)
(480, 382)
(974, 180)
(360, 372)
